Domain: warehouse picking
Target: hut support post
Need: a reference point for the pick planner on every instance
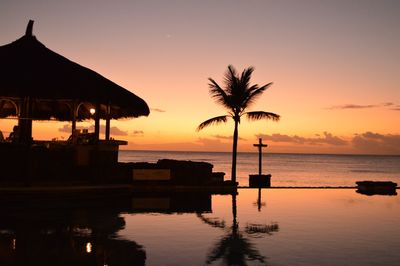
(74, 114)
(73, 124)
(97, 123)
(108, 122)
(25, 122)
(73, 127)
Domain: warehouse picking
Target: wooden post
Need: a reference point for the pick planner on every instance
(74, 115)
(24, 134)
(259, 199)
(260, 145)
(108, 122)
(97, 122)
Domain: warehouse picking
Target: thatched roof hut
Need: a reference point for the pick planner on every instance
(39, 84)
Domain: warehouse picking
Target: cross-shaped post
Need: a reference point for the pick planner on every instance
(260, 145)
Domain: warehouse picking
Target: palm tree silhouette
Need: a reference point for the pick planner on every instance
(234, 248)
(236, 97)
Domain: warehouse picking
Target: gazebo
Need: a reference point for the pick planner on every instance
(39, 84)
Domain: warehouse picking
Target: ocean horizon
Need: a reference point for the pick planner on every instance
(255, 152)
(288, 169)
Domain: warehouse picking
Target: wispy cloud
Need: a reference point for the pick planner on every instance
(138, 133)
(352, 106)
(65, 129)
(113, 130)
(225, 137)
(367, 143)
(363, 106)
(396, 108)
(157, 110)
(388, 104)
(327, 138)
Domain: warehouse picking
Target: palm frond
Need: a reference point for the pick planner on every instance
(254, 92)
(231, 80)
(246, 75)
(214, 120)
(219, 94)
(258, 115)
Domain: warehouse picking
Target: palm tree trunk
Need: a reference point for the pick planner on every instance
(234, 214)
(234, 150)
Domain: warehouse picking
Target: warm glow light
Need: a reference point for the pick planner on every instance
(310, 95)
(88, 247)
(14, 244)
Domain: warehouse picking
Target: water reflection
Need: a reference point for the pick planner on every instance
(48, 232)
(67, 231)
(171, 202)
(259, 203)
(382, 192)
(234, 247)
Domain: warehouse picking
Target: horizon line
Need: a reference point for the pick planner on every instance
(288, 153)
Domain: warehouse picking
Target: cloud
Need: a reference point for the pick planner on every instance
(201, 144)
(138, 133)
(113, 130)
(65, 129)
(157, 110)
(396, 108)
(214, 144)
(226, 137)
(327, 138)
(352, 106)
(370, 142)
(364, 106)
(388, 104)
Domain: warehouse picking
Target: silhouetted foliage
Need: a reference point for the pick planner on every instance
(236, 96)
(214, 222)
(233, 247)
(261, 228)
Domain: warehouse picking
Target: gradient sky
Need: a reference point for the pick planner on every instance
(335, 67)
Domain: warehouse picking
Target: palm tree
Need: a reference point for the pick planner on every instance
(236, 97)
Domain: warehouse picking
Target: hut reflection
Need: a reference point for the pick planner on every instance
(65, 231)
(171, 202)
(52, 233)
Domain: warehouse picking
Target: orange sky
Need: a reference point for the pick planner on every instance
(335, 67)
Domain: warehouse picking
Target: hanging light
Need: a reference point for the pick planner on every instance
(88, 247)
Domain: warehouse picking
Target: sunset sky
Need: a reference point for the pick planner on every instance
(335, 66)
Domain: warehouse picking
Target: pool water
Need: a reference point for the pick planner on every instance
(273, 227)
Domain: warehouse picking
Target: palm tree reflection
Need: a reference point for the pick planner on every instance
(234, 248)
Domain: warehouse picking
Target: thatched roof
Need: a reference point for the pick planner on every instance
(54, 83)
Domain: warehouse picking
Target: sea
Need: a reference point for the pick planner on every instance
(288, 170)
(285, 226)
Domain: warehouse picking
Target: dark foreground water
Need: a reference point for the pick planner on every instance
(276, 227)
(289, 169)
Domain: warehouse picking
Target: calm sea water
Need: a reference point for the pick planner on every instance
(276, 227)
(266, 227)
(289, 169)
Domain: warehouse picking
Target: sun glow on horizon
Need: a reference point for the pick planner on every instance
(334, 70)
